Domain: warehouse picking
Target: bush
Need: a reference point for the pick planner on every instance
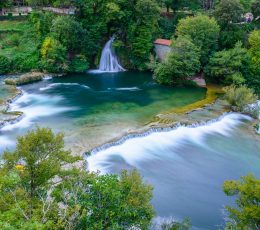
(78, 65)
(5, 65)
(239, 97)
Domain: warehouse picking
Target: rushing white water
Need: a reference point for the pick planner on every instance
(149, 147)
(108, 60)
(50, 86)
(34, 106)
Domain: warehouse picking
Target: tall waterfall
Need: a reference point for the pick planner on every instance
(108, 60)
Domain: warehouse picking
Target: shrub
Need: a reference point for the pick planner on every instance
(79, 64)
(5, 64)
(239, 97)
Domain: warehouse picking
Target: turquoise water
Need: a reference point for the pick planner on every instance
(93, 108)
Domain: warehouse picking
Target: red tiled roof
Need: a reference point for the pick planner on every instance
(164, 42)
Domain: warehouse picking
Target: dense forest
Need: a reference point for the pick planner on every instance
(210, 37)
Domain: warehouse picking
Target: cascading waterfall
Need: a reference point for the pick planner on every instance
(108, 60)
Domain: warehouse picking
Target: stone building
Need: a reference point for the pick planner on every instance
(162, 48)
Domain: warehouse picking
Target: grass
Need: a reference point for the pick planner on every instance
(12, 26)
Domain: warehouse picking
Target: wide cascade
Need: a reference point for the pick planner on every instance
(109, 61)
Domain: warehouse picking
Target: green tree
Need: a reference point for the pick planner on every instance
(182, 63)
(247, 213)
(53, 56)
(254, 49)
(69, 33)
(203, 31)
(229, 66)
(228, 11)
(41, 22)
(255, 8)
(28, 173)
(95, 201)
(253, 79)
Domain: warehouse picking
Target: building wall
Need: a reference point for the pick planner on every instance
(161, 51)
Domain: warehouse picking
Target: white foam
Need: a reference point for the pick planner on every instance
(34, 106)
(47, 77)
(126, 89)
(53, 85)
(150, 147)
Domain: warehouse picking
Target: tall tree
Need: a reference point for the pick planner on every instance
(29, 172)
(204, 32)
(247, 213)
(94, 201)
(228, 11)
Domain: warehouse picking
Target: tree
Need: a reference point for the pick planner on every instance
(255, 8)
(93, 201)
(28, 173)
(229, 66)
(203, 31)
(253, 79)
(53, 56)
(228, 11)
(69, 33)
(247, 213)
(254, 47)
(182, 63)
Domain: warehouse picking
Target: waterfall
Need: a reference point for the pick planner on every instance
(108, 60)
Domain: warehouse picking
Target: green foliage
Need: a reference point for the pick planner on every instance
(228, 66)
(233, 33)
(27, 174)
(68, 32)
(41, 22)
(182, 63)
(254, 50)
(5, 64)
(239, 97)
(105, 201)
(53, 56)
(247, 213)
(78, 64)
(255, 8)
(228, 11)
(247, 4)
(203, 31)
(40, 189)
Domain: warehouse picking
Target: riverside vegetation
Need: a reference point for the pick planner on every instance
(41, 188)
